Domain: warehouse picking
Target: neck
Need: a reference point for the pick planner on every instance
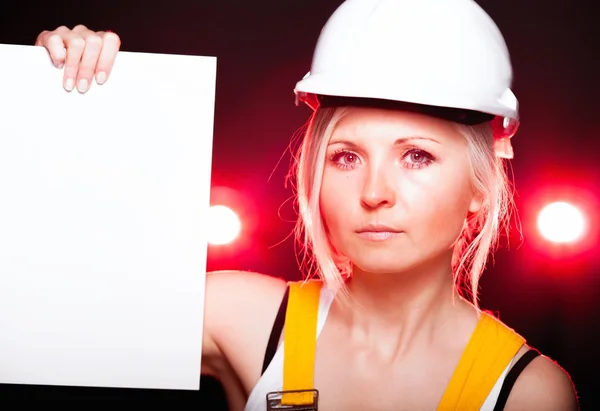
(402, 308)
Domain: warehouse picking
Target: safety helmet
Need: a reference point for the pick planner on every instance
(445, 58)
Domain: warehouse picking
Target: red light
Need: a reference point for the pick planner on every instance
(224, 225)
(560, 222)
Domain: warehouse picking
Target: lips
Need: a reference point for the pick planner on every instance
(378, 228)
(378, 232)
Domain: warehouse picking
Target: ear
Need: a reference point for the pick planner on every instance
(476, 203)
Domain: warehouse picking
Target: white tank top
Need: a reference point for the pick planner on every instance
(272, 378)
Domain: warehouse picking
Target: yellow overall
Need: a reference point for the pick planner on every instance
(489, 351)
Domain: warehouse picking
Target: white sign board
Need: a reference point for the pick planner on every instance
(103, 200)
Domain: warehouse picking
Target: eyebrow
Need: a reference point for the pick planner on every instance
(401, 140)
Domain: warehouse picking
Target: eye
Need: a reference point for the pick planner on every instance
(344, 159)
(417, 158)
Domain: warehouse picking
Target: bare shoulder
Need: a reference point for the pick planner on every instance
(235, 298)
(244, 285)
(543, 385)
(240, 308)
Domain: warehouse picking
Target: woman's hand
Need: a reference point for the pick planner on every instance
(83, 53)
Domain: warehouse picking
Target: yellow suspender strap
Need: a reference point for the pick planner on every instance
(489, 351)
(300, 342)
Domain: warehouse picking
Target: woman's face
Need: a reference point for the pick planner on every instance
(396, 189)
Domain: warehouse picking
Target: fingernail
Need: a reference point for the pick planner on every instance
(69, 83)
(101, 77)
(83, 85)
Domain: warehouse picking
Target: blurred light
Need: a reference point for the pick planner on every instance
(561, 222)
(224, 225)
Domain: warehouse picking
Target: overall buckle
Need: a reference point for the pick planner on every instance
(274, 401)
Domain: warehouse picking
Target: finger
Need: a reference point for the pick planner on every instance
(75, 46)
(54, 44)
(108, 55)
(82, 30)
(89, 61)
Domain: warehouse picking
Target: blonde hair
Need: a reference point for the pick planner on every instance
(478, 238)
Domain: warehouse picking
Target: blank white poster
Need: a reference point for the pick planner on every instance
(103, 200)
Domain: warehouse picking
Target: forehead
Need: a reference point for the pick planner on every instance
(361, 122)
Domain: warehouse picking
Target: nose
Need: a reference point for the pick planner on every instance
(378, 190)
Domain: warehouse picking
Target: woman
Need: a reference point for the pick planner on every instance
(402, 194)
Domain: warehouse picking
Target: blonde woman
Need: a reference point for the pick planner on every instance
(402, 194)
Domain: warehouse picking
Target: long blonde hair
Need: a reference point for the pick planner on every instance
(478, 238)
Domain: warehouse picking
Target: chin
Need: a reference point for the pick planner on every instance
(382, 262)
(385, 261)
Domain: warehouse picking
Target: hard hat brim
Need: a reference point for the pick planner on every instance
(457, 115)
(504, 106)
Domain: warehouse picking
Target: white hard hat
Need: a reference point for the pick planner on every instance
(444, 57)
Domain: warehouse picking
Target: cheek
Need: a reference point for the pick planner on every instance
(437, 204)
(337, 202)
